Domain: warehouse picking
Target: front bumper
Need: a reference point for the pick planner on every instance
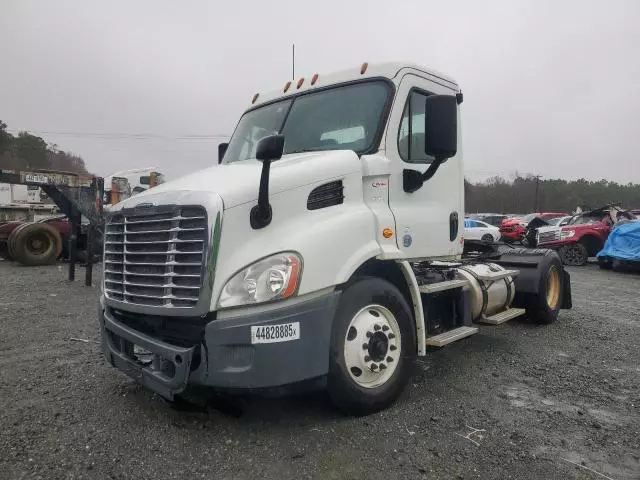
(556, 245)
(221, 355)
(512, 235)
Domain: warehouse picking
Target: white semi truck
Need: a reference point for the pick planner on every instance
(325, 248)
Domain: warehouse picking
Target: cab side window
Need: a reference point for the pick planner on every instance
(411, 133)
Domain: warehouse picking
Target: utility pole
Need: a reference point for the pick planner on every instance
(537, 193)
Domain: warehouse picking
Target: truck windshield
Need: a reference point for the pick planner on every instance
(340, 118)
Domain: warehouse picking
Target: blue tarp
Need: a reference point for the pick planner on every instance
(623, 242)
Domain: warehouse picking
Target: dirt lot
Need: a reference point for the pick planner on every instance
(543, 397)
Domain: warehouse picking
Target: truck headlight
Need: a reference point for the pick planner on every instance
(567, 234)
(272, 278)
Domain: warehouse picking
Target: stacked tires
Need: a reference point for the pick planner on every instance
(34, 244)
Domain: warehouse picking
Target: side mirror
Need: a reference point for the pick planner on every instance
(270, 148)
(440, 138)
(441, 126)
(222, 149)
(145, 180)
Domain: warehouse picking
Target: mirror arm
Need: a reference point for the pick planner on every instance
(261, 213)
(433, 168)
(412, 180)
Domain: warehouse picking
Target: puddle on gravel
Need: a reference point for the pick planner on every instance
(598, 463)
(522, 396)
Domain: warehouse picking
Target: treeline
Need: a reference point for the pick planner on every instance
(498, 195)
(523, 195)
(27, 151)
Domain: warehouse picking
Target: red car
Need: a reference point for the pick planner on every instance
(582, 237)
(513, 229)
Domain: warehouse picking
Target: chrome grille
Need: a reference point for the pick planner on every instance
(547, 237)
(156, 258)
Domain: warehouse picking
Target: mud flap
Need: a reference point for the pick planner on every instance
(567, 302)
(528, 262)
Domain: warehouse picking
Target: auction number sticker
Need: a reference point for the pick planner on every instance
(275, 333)
(36, 178)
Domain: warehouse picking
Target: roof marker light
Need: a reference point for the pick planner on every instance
(286, 87)
(314, 78)
(255, 97)
(300, 82)
(363, 68)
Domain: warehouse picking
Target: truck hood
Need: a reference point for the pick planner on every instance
(238, 182)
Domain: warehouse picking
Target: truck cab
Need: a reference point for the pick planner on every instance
(124, 184)
(325, 247)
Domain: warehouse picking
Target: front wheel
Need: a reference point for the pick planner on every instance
(372, 347)
(574, 254)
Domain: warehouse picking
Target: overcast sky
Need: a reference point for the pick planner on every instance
(551, 87)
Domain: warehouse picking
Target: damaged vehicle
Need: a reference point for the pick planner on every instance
(582, 237)
(621, 251)
(514, 229)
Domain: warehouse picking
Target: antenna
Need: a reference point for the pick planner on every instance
(293, 61)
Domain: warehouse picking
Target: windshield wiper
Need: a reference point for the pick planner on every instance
(305, 150)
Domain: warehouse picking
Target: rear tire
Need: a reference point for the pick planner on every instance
(545, 308)
(487, 238)
(38, 244)
(11, 241)
(373, 347)
(574, 254)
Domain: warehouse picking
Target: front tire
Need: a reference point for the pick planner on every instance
(373, 347)
(574, 254)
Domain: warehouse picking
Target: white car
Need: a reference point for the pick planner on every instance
(477, 230)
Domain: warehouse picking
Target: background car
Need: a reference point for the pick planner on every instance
(514, 229)
(478, 230)
(583, 236)
(494, 219)
(621, 251)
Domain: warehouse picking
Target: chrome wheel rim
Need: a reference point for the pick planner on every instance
(372, 346)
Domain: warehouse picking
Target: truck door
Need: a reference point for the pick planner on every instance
(429, 220)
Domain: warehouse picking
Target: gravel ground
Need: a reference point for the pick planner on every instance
(559, 401)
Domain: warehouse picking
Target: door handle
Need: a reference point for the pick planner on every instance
(453, 225)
